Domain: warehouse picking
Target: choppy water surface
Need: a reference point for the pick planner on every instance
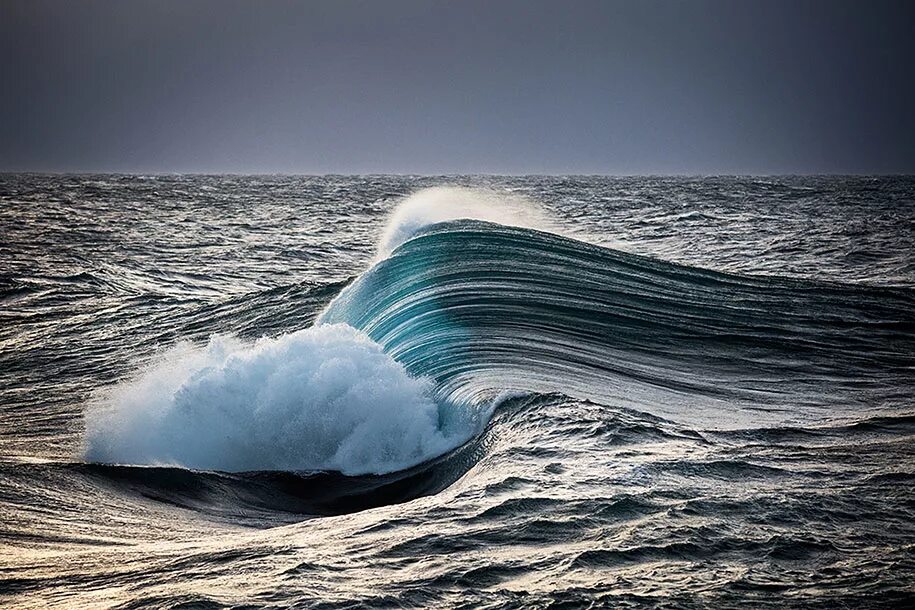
(266, 392)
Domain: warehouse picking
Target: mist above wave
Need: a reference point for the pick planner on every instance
(324, 398)
(441, 204)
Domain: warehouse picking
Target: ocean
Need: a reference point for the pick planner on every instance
(456, 391)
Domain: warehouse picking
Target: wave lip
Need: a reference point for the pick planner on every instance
(446, 203)
(322, 399)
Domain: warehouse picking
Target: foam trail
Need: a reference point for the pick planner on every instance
(324, 398)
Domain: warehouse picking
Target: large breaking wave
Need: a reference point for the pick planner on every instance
(469, 301)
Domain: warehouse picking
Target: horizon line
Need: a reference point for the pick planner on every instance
(465, 174)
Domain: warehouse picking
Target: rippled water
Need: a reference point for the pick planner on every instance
(659, 392)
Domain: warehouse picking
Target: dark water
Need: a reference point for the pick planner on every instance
(645, 392)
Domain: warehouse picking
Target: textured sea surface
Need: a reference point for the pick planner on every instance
(476, 391)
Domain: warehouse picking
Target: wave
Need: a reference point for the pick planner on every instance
(460, 311)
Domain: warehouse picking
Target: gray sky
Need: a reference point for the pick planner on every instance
(453, 87)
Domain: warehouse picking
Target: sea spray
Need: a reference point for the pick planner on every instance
(441, 204)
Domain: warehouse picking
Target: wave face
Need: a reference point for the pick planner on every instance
(483, 308)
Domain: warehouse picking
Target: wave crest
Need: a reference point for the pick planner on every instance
(444, 203)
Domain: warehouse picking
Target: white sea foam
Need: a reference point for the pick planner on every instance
(324, 398)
